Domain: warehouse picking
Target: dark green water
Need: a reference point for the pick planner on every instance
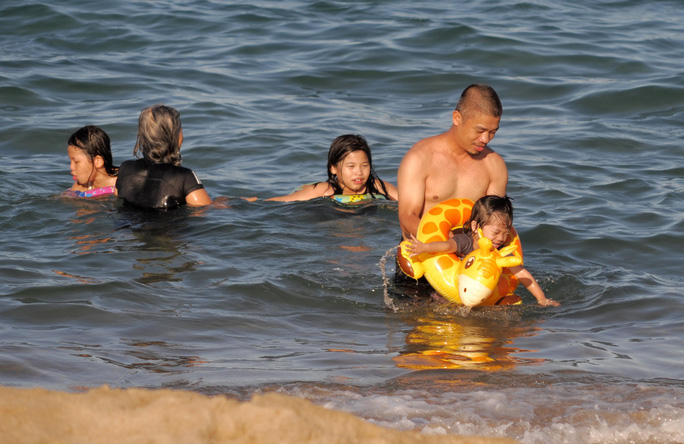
(291, 297)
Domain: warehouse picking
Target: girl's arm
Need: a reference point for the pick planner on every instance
(307, 192)
(416, 247)
(526, 278)
(392, 191)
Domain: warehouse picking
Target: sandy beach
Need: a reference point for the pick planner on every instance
(104, 415)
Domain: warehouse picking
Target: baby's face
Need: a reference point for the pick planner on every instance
(497, 231)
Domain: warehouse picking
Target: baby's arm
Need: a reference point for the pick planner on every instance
(416, 247)
(526, 278)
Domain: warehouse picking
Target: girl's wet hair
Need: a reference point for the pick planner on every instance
(489, 208)
(94, 142)
(340, 148)
(159, 135)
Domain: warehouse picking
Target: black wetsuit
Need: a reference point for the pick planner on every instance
(155, 185)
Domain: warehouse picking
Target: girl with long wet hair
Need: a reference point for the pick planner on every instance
(351, 176)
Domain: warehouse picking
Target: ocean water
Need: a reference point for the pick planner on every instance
(299, 298)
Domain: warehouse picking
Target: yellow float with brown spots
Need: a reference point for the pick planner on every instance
(442, 269)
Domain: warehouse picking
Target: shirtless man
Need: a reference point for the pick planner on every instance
(454, 164)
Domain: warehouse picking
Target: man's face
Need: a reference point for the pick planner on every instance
(475, 131)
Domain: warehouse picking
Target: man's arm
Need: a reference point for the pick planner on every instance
(499, 176)
(411, 180)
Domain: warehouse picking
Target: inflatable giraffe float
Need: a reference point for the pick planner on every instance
(483, 273)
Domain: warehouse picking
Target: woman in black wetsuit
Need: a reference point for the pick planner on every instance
(157, 180)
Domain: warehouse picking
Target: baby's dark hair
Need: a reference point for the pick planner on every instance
(489, 208)
(94, 142)
(340, 148)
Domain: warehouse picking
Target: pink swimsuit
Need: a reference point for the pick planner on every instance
(96, 192)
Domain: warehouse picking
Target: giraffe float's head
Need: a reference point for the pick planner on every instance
(479, 272)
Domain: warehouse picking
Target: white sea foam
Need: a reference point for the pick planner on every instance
(559, 414)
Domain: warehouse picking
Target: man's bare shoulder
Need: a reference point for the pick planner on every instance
(415, 154)
(423, 150)
(430, 143)
(493, 158)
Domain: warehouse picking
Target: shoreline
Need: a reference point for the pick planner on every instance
(105, 415)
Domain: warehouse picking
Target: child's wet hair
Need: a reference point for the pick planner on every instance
(159, 135)
(489, 208)
(340, 148)
(94, 142)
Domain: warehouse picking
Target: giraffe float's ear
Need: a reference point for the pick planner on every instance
(505, 251)
(508, 261)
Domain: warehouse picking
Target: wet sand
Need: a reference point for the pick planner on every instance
(106, 415)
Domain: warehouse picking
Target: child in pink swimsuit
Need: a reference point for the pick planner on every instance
(91, 163)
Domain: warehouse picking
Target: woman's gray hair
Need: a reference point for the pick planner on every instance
(159, 135)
